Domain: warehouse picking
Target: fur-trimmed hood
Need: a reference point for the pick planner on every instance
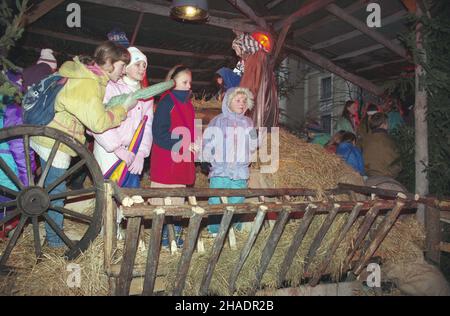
(231, 93)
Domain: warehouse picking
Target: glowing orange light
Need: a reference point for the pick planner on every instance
(264, 40)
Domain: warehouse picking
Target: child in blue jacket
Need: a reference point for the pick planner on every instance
(351, 154)
(229, 142)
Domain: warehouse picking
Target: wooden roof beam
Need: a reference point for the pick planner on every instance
(331, 67)
(162, 10)
(315, 25)
(378, 37)
(344, 37)
(272, 4)
(310, 7)
(380, 65)
(161, 51)
(41, 9)
(362, 51)
(242, 6)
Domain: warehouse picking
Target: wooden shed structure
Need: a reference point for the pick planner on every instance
(331, 34)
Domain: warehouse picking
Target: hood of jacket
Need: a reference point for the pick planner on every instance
(230, 79)
(226, 102)
(77, 70)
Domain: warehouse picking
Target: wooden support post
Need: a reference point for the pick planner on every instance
(296, 242)
(329, 255)
(382, 231)
(136, 29)
(217, 248)
(269, 249)
(129, 256)
(362, 233)
(188, 250)
(154, 250)
(109, 232)
(433, 235)
(421, 126)
(257, 223)
(231, 235)
(320, 236)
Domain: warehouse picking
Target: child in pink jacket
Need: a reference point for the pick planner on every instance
(112, 145)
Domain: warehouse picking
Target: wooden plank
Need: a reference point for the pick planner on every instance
(296, 242)
(129, 255)
(270, 247)
(323, 208)
(188, 250)
(164, 10)
(433, 236)
(257, 224)
(382, 231)
(216, 250)
(378, 37)
(360, 52)
(320, 236)
(79, 39)
(316, 25)
(109, 220)
(445, 247)
(248, 11)
(345, 37)
(201, 192)
(332, 67)
(330, 252)
(379, 65)
(154, 251)
(42, 9)
(362, 233)
(308, 8)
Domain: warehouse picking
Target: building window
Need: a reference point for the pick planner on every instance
(326, 123)
(325, 88)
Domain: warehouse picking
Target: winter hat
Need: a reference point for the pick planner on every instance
(119, 37)
(48, 58)
(136, 56)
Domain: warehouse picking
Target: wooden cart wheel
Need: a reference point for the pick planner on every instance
(32, 203)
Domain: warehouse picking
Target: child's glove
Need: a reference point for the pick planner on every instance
(138, 164)
(129, 103)
(124, 155)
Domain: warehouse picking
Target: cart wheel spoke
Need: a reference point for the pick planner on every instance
(83, 217)
(37, 238)
(12, 242)
(66, 194)
(59, 232)
(26, 146)
(11, 175)
(49, 163)
(67, 174)
(5, 190)
(9, 217)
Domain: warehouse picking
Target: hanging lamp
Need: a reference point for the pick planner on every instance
(189, 10)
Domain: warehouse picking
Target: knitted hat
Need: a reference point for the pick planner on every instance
(48, 58)
(119, 37)
(136, 56)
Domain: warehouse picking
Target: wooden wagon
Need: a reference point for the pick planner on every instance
(32, 204)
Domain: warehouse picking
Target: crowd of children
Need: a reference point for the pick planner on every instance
(168, 129)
